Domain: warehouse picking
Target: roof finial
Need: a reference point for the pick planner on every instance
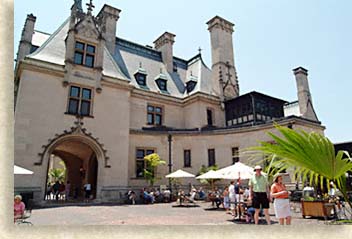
(200, 50)
(90, 7)
(140, 64)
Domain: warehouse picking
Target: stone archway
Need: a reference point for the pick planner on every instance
(79, 144)
(77, 154)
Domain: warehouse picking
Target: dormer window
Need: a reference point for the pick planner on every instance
(191, 83)
(162, 84)
(84, 54)
(141, 77)
(161, 81)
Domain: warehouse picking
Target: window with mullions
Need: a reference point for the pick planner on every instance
(80, 100)
(140, 162)
(235, 155)
(154, 115)
(84, 54)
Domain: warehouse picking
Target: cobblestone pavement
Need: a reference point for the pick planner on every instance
(155, 214)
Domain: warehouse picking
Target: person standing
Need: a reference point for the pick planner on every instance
(56, 188)
(87, 189)
(67, 190)
(226, 202)
(232, 197)
(260, 194)
(281, 202)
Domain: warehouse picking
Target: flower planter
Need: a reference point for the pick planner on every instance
(317, 209)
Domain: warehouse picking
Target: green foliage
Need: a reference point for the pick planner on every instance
(57, 174)
(152, 163)
(205, 169)
(312, 156)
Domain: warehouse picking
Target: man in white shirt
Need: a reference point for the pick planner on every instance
(87, 189)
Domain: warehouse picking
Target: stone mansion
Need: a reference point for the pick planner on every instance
(101, 103)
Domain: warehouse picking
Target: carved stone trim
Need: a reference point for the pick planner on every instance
(77, 130)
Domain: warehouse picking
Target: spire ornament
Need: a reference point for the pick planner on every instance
(90, 7)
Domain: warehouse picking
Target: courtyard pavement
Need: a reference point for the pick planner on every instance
(152, 214)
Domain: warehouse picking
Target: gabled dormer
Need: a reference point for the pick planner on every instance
(86, 40)
(161, 81)
(141, 77)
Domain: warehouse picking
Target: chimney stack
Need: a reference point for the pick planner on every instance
(304, 97)
(109, 16)
(224, 73)
(164, 44)
(25, 45)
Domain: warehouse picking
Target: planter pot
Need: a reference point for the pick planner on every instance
(317, 209)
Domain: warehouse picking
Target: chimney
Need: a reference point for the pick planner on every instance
(164, 44)
(109, 16)
(304, 97)
(25, 45)
(224, 73)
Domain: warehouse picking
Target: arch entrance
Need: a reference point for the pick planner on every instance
(72, 162)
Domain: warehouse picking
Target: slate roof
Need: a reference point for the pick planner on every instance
(127, 59)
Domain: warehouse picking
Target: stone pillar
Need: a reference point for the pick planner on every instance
(223, 63)
(108, 16)
(304, 97)
(164, 45)
(25, 45)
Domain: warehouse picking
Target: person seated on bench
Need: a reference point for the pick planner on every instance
(216, 197)
(19, 207)
(180, 197)
(191, 197)
(148, 197)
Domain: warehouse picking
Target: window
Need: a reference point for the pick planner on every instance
(154, 115)
(162, 84)
(190, 86)
(235, 155)
(140, 162)
(211, 157)
(187, 158)
(210, 117)
(84, 54)
(80, 100)
(141, 79)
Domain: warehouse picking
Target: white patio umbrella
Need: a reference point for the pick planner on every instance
(237, 170)
(20, 170)
(180, 174)
(211, 174)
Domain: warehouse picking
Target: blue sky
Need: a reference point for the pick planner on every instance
(270, 39)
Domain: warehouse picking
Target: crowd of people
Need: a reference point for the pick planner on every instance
(61, 191)
(239, 200)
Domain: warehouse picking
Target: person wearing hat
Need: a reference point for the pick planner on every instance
(281, 202)
(259, 194)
